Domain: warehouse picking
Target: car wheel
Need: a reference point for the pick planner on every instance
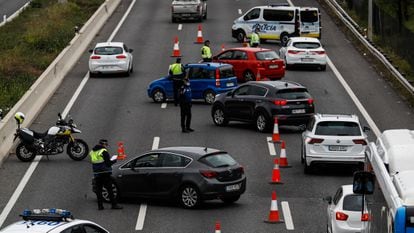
(92, 75)
(132, 69)
(307, 169)
(205, 16)
(302, 154)
(105, 193)
(231, 199)
(284, 37)
(323, 67)
(240, 35)
(219, 118)
(158, 96)
(248, 76)
(209, 96)
(262, 122)
(189, 197)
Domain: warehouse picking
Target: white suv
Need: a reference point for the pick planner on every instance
(333, 139)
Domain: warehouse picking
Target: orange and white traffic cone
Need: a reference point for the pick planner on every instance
(121, 151)
(199, 36)
(283, 158)
(276, 136)
(218, 227)
(276, 173)
(274, 212)
(176, 49)
(222, 47)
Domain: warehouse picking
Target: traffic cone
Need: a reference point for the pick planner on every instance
(222, 47)
(121, 151)
(276, 174)
(199, 36)
(276, 136)
(176, 49)
(283, 158)
(274, 212)
(218, 227)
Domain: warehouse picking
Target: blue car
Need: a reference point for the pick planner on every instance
(206, 80)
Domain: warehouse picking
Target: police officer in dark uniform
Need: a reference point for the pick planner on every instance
(177, 74)
(185, 107)
(102, 171)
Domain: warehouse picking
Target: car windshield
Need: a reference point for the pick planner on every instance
(309, 16)
(109, 50)
(338, 128)
(218, 160)
(226, 72)
(352, 203)
(266, 55)
(306, 45)
(293, 94)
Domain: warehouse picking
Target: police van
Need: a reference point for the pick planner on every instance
(278, 22)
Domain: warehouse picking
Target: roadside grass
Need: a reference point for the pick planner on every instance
(32, 41)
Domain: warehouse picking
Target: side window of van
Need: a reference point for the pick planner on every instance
(278, 15)
(253, 14)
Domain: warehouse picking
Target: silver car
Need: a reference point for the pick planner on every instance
(109, 58)
(333, 139)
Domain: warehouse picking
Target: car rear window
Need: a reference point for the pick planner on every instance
(109, 50)
(226, 72)
(309, 16)
(338, 128)
(293, 94)
(218, 160)
(306, 45)
(266, 55)
(352, 202)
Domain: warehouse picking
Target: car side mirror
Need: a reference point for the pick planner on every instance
(130, 50)
(90, 50)
(366, 128)
(364, 182)
(328, 199)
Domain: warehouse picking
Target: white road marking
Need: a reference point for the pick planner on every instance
(271, 146)
(180, 27)
(19, 189)
(164, 105)
(290, 2)
(33, 165)
(240, 12)
(155, 143)
(287, 216)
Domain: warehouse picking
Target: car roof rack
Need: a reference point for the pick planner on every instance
(279, 4)
(53, 214)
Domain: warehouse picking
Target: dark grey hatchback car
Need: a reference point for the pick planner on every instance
(188, 174)
(260, 101)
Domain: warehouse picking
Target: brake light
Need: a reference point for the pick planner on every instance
(341, 216)
(95, 57)
(241, 169)
(360, 141)
(293, 51)
(320, 52)
(314, 140)
(209, 174)
(365, 217)
(280, 102)
(121, 57)
(310, 101)
(217, 77)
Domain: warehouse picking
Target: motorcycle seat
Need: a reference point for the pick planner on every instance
(39, 135)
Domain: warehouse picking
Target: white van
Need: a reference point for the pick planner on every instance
(310, 22)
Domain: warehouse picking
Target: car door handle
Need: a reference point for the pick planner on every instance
(259, 101)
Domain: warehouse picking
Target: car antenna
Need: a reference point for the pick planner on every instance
(205, 149)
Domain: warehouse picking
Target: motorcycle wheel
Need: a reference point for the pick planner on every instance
(24, 154)
(77, 150)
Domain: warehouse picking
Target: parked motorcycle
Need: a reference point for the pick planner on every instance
(50, 142)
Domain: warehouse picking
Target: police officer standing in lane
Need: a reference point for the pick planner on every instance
(177, 73)
(255, 39)
(185, 107)
(102, 171)
(206, 52)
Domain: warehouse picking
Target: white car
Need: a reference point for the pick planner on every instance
(303, 51)
(331, 138)
(110, 57)
(344, 212)
(52, 221)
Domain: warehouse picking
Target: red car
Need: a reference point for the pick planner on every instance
(246, 61)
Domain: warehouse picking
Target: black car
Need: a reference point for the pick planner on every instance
(188, 174)
(260, 101)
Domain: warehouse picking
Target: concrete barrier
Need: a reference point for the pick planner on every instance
(42, 90)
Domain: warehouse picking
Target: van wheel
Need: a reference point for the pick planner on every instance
(240, 35)
(209, 96)
(248, 76)
(284, 37)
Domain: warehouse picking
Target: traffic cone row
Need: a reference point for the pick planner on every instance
(283, 158)
(276, 135)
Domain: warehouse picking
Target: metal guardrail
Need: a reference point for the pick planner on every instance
(353, 26)
(14, 15)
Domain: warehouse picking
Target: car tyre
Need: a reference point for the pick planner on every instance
(248, 76)
(230, 199)
(205, 16)
(189, 197)
(105, 193)
(219, 117)
(307, 169)
(209, 96)
(302, 155)
(262, 122)
(323, 67)
(284, 37)
(92, 75)
(173, 19)
(240, 35)
(158, 96)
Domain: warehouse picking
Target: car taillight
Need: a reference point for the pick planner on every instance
(310, 101)
(241, 169)
(293, 51)
(341, 216)
(121, 57)
(314, 140)
(95, 57)
(280, 102)
(365, 217)
(360, 141)
(217, 77)
(320, 52)
(209, 174)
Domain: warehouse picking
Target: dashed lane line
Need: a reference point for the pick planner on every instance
(164, 105)
(287, 215)
(240, 11)
(271, 146)
(180, 27)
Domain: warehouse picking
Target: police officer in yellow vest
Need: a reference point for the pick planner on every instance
(255, 39)
(102, 171)
(206, 52)
(177, 73)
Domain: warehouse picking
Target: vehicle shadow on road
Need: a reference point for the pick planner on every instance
(334, 170)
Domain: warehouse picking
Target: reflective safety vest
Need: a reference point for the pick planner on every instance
(254, 39)
(96, 156)
(176, 69)
(205, 52)
(98, 162)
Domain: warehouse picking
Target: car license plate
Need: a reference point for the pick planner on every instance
(234, 187)
(337, 148)
(273, 66)
(229, 84)
(296, 111)
(307, 59)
